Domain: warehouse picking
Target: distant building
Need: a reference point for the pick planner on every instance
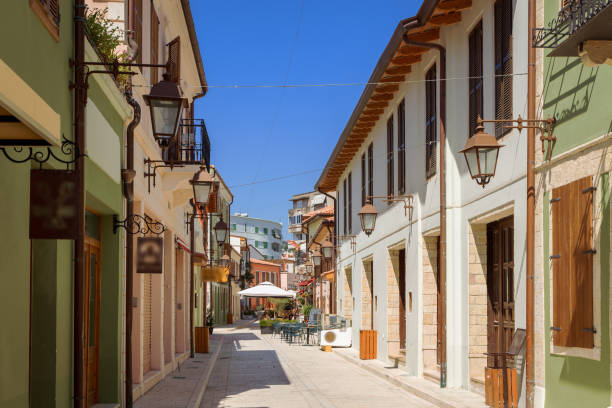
(264, 235)
(302, 204)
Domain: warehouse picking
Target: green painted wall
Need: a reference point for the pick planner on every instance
(576, 95)
(571, 381)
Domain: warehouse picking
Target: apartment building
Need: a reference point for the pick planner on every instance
(264, 235)
(302, 204)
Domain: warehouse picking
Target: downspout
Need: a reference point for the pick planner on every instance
(531, 114)
(442, 144)
(127, 177)
(80, 96)
(335, 240)
(194, 212)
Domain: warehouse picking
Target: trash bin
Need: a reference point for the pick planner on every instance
(367, 344)
(201, 339)
(230, 318)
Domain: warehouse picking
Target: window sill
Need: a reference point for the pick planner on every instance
(45, 19)
(590, 354)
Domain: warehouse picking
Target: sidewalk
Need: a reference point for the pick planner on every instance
(185, 386)
(425, 389)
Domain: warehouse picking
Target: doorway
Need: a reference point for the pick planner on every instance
(92, 308)
(500, 291)
(432, 303)
(367, 296)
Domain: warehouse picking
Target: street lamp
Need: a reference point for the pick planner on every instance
(221, 231)
(225, 261)
(202, 184)
(326, 248)
(166, 105)
(368, 216)
(308, 265)
(481, 152)
(316, 258)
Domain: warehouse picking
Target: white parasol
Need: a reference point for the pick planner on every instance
(266, 290)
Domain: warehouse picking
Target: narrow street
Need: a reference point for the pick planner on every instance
(252, 371)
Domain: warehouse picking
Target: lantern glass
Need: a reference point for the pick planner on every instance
(327, 252)
(487, 157)
(165, 115)
(481, 152)
(316, 258)
(471, 158)
(202, 184)
(368, 222)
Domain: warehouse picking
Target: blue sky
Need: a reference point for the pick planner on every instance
(259, 134)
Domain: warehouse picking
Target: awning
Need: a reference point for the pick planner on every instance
(329, 275)
(214, 273)
(306, 282)
(182, 245)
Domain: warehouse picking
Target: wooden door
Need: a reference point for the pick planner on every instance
(439, 305)
(402, 298)
(500, 290)
(148, 319)
(92, 317)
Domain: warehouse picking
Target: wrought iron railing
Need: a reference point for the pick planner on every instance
(569, 19)
(192, 146)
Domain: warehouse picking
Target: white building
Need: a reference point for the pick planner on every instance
(302, 204)
(263, 235)
(389, 281)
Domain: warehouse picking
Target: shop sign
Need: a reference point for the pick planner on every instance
(150, 254)
(53, 204)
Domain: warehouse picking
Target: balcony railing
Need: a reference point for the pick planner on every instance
(575, 15)
(192, 146)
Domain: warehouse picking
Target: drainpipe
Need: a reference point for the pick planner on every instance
(334, 241)
(127, 176)
(531, 114)
(442, 144)
(191, 286)
(80, 96)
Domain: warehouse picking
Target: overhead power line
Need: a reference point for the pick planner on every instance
(276, 178)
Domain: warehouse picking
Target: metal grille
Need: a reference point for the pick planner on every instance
(174, 60)
(147, 306)
(52, 8)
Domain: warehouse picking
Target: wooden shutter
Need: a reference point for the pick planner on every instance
(350, 203)
(363, 180)
(49, 14)
(344, 224)
(572, 264)
(430, 122)
(475, 81)
(503, 64)
(147, 306)
(401, 148)
(174, 60)
(390, 166)
(154, 44)
(371, 169)
(137, 28)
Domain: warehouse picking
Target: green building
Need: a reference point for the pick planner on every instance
(37, 286)
(573, 207)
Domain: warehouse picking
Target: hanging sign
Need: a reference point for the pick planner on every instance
(53, 204)
(150, 254)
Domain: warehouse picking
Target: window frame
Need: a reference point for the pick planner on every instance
(401, 147)
(46, 17)
(370, 170)
(475, 74)
(364, 193)
(350, 202)
(390, 160)
(431, 79)
(503, 25)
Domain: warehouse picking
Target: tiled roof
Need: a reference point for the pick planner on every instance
(253, 260)
(325, 211)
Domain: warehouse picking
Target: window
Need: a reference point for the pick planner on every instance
(265, 231)
(344, 225)
(503, 64)
(265, 245)
(401, 148)
(256, 244)
(430, 122)
(371, 169)
(154, 44)
(572, 264)
(257, 230)
(233, 227)
(475, 81)
(363, 180)
(350, 203)
(137, 27)
(390, 166)
(48, 13)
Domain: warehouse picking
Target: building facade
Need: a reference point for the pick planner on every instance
(573, 215)
(263, 271)
(405, 132)
(264, 235)
(302, 204)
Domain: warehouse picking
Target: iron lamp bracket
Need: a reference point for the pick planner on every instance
(137, 224)
(407, 199)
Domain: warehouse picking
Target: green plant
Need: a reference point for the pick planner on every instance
(105, 35)
(306, 309)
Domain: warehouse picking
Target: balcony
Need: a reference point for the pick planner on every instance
(192, 146)
(579, 22)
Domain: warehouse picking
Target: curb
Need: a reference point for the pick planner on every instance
(196, 397)
(413, 390)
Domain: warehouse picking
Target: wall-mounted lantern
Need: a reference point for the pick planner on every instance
(316, 258)
(327, 248)
(481, 152)
(368, 216)
(202, 183)
(221, 230)
(166, 105)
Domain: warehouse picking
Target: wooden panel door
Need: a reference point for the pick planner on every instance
(402, 298)
(148, 319)
(439, 305)
(92, 316)
(500, 290)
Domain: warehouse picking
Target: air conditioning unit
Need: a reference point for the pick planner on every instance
(337, 337)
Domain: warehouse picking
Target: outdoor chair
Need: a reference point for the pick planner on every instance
(276, 329)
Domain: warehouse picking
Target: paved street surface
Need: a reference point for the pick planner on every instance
(262, 372)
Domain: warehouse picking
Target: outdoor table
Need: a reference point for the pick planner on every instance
(308, 327)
